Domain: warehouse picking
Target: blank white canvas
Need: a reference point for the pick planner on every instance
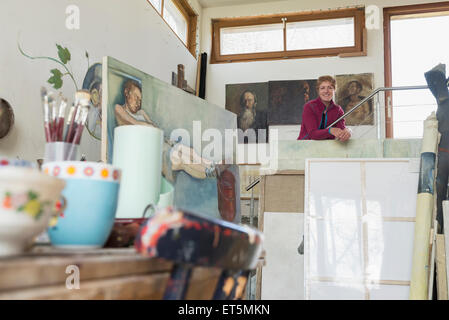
(347, 240)
(283, 274)
(335, 190)
(389, 196)
(389, 292)
(333, 248)
(336, 291)
(390, 250)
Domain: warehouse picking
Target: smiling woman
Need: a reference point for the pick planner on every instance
(320, 112)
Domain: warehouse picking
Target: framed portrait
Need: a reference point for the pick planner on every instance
(287, 100)
(249, 101)
(351, 89)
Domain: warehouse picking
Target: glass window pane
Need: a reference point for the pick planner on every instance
(251, 39)
(156, 4)
(416, 47)
(414, 112)
(408, 129)
(175, 20)
(318, 34)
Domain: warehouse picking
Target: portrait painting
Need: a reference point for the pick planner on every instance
(351, 89)
(210, 187)
(287, 100)
(92, 83)
(249, 101)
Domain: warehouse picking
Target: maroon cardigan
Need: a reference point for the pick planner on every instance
(311, 118)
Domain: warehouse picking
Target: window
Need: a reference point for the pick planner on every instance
(412, 47)
(181, 19)
(312, 34)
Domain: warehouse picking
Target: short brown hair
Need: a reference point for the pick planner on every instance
(129, 84)
(325, 78)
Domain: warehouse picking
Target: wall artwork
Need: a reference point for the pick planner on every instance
(92, 83)
(287, 99)
(131, 97)
(249, 101)
(351, 89)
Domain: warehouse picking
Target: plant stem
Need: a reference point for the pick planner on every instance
(49, 58)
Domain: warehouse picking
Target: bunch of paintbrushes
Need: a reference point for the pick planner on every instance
(55, 116)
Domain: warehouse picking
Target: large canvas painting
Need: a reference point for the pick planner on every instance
(351, 89)
(131, 96)
(249, 101)
(287, 99)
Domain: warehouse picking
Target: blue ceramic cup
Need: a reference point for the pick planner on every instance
(91, 196)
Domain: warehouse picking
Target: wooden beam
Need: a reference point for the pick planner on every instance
(446, 233)
(441, 268)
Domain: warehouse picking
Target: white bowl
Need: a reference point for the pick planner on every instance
(27, 203)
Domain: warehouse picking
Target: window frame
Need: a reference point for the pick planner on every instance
(388, 14)
(191, 18)
(359, 48)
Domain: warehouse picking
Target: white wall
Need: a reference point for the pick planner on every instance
(130, 31)
(218, 75)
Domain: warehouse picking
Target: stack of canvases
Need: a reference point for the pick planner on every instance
(366, 231)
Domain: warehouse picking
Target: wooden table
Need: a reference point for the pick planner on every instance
(103, 273)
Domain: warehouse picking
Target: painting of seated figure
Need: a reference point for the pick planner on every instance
(205, 180)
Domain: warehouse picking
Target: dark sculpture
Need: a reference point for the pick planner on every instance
(437, 82)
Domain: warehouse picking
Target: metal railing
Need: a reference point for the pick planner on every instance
(372, 94)
(251, 222)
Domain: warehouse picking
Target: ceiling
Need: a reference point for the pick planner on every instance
(223, 3)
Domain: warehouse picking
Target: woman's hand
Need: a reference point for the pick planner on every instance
(341, 135)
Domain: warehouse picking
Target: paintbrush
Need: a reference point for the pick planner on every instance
(44, 96)
(80, 125)
(60, 121)
(80, 122)
(69, 120)
(81, 97)
(51, 104)
(53, 120)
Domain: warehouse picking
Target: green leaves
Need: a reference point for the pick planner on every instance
(56, 79)
(63, 54)
(32, 195)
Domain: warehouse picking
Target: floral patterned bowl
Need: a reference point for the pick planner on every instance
(5, 161)
(28, 201)
(91, 195)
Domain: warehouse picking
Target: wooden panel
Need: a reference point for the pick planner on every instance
(130, 287)
(48, 268)
(149, 286)
(284, 193)
(446, 233)
(104, 274)
(441, 268)
(203, 283)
